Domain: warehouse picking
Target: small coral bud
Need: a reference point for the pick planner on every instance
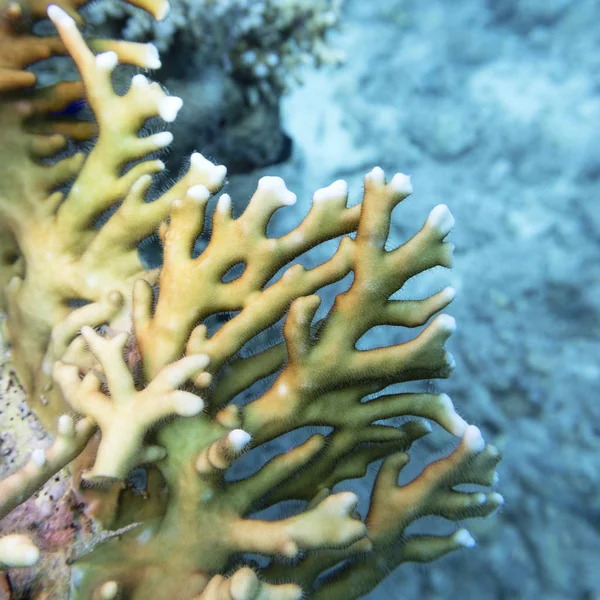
(238, 439)
(163, 139)
(272, 59)
(493, 451)
(169, 107)
(473, 439)
(38, 456)
(162, 11)
(214, 175)
(47, 365)
(229, 416)
(275, 187)
(401, 185)
(260, 70)
(187, 404)
(289, 549)
(109, 590)
(376, 176)
(66, 426)
(198, 192)
(497, 499)
(152, 58)
(224, 204)
(450, 361)
(446, 323)
(449, 294)
(203, 380)
(480, 498)
(338, 190)
(244, 584)
(457, 424)
(140, 81)
(107, 61)
(59, 17)
(441, 220)
(115, 298)
(463, 538)
(18, 551)
(14, 10)
(248, 58)
(151, 454)
(346, 501)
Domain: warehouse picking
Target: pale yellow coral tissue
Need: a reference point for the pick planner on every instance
(125, 370)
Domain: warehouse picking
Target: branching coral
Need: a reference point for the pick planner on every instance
(263, 43)
(231, 61)
(140, 360)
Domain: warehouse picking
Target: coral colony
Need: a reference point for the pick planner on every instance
(148, 400)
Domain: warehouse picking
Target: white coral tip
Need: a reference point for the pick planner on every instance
(473, 439)
(220, 173)
(162, 139)
(449, 294)
(59, 17)
(66, 426)
(224, 204)
(140, 81)
(109, 590)
(445, 323)
(441, 219)
(200, 361)
(17, 550)
(275, 186)
(239, 439)
(38, 456)
(450, 360)
(463, 538)
(152, 58)
(496, 498)
(107, 61)
(347, 502)
(214, 174)
(198, 192)
(169, 107)
(200, 162)
(401, 184)
(47, 365)
(493, 451)
(188, 404)
(338, 190)
(376, 176)
(162, 11)
(457, 424)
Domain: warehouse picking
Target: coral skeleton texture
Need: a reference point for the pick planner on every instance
(262, 43)
(150, 397)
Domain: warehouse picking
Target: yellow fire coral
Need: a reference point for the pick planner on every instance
(137, 357)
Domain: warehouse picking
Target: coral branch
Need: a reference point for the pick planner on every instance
(43, 464)
(126, 415)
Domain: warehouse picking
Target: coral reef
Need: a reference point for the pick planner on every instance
(231, 61)
(151, 397)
